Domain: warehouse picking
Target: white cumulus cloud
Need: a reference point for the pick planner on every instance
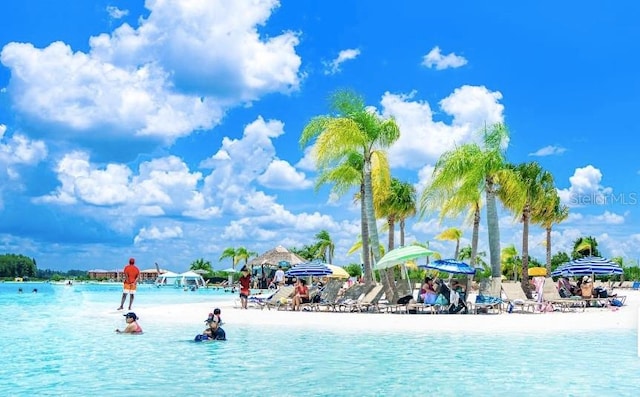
(424, 139)
(333, 67)
(548, 151)
(435, 59)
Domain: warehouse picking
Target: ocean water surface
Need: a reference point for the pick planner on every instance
(58, 342)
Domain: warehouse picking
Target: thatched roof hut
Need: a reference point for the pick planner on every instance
(275, 256)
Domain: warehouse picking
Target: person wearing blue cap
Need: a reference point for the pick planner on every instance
(132, 324)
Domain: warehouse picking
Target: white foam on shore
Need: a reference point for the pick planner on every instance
(592, 319)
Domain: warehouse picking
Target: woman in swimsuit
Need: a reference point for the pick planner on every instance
(132, 324)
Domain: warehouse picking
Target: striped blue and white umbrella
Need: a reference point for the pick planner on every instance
(450, 266)
(309, 269)
(588, 266)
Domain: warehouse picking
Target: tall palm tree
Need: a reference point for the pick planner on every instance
(550, 213)
(452, 234)
(348, 174)
(524, 192)
(229, 252)
(353, 128)
(405, 198)
(471, 168)
(396, 204)
(325, 246)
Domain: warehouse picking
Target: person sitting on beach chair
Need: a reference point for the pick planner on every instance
(301, 295)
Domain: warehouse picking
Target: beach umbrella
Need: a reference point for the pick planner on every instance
(338, 272)
(588, 266)
(229, 270)
(537, 271)
(309, 269)
(450, 266)
(400, 256)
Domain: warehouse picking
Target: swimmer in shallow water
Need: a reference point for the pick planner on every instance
(132, 324)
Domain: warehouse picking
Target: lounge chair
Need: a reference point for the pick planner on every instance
(364, 302)
(277, 298)
(551, 294)
(350, 295)
(515, 297)
(328, 294)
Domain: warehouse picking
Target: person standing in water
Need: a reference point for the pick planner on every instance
(131, 274)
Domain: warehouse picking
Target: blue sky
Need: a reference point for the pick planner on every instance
(168, 130)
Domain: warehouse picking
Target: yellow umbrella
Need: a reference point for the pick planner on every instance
(338, 272)
(537, 271)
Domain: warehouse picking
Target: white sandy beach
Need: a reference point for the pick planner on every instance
(591, 319)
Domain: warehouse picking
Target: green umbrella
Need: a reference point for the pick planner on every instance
(400, 256)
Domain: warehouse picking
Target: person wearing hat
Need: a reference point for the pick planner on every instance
(132, 324)
(131, 274)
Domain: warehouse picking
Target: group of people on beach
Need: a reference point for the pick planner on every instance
(214, 329)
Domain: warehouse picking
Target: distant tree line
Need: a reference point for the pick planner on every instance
(12, 265)
(16, 265)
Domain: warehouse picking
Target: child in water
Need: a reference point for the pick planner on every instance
(214, 330)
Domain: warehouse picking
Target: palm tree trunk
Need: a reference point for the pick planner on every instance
(548, 230)
(525, 252)
(364, 230)
(494, 238)
(457, 253)
(402, 223)
(371, 218)
(475, 234)
(389, 274)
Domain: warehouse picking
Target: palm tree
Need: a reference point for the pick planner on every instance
(201, 264)
(405, 203)
(585, 246)
(552, 212)
(452, 234)
(524, 192)
(242, 254)
(469, 169)
(348, 174)
(509, 259)
(324, 246)
(229, 252)
(397, 203)
(353, 128)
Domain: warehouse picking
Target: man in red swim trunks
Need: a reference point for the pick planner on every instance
(131, 274)
(245, 283)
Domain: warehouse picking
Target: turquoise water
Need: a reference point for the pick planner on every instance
(52, 343)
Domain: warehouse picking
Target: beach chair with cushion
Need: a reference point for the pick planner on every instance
(551, 294)
(366, 301)
(350, 295)
(329, 294)
(515, 298)
(278, 299)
